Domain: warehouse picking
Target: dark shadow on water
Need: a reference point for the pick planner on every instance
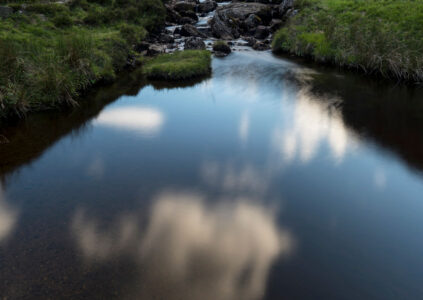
(23, 141)
(389, 115)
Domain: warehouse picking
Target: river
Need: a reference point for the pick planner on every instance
(271, 179)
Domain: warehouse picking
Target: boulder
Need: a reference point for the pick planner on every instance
(172, 16)
(262, 32)
(5, 11)
(184, 6)
(190, 30)
(166, 39)
(206, 7)
(190, 14)
(187, 20)
(222, 47)
(229, 20)
(194, 43)
(155, 49)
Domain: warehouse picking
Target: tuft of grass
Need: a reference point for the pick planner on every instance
(180, 65)
(52, 52)
(383, 37)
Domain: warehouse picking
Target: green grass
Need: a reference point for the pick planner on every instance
(383, 37)
(53, 52)
(180, 65)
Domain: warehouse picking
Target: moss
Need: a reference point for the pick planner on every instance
(180, 65)
(376, 36)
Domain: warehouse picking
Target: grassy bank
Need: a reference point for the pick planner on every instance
(383, 37)
(51, 52)
(179, 65)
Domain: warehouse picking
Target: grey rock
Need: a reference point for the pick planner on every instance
(155, 49)
(220, 54)
(190, 30)
(194, 43)
(262, 32)
(222, 47)
(187, 20)
(142, 46)
(228, 21)
(184, 6)
(206, 7)
(166, 39)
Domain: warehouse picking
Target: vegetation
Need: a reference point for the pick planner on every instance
(51, 52)
(376, 36)
(179, 65)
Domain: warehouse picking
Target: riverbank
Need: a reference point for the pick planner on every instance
(376, 37)
(51, 52)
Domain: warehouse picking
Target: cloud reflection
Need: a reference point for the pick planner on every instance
(144, 120)
(190, 249)
(8, 217)
(311, 123)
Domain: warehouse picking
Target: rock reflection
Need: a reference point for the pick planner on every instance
(144, 120)
(8, 217)
(189, 249)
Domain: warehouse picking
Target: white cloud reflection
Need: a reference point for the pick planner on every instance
(309, 124)
(8, 217)
(190, 249)
(244, 127)
(144, 120)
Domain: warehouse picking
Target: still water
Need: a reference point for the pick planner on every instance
(269, 180)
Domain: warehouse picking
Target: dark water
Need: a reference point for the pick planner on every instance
(270, 180)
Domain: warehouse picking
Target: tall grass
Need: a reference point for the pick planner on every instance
(48, 59)
(375, 36)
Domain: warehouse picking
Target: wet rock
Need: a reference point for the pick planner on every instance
(190, 30)
(285, 6)
(262, 32)
(250, 41)
(222, 47)
(194, 43)
(187, 20)
(228, 21)
(252, 21)
(166, 39)
(5, 11)
(206, 7)
(182, 7)
(155, 49)
(275, 24)
(190, 14)
(172, 16)
(261, 46)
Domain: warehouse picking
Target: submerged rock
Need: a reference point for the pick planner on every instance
(194, 43)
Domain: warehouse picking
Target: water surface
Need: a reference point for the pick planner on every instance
(269, 180)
